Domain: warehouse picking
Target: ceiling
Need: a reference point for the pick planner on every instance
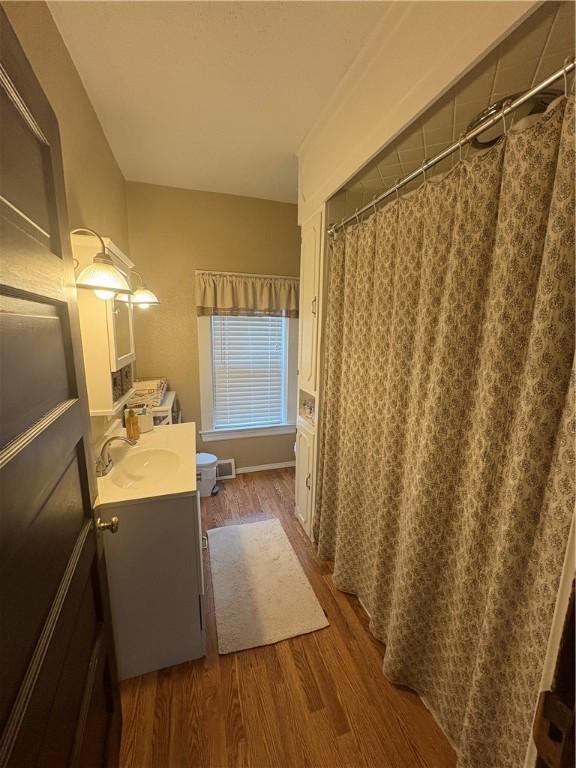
(214, 96)
(536, 49)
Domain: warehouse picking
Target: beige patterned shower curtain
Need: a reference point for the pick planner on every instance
(446, 484)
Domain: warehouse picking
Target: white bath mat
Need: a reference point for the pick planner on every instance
(261, 593)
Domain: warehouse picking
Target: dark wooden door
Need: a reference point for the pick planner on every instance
(59, 704)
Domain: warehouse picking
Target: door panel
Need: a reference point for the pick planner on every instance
(22, 178)
(25, 734)
(33, 332)
(31, 573)
(24, 243)
(308, 319)
(59, 736)
(91, 747)
(56, 637)
(304, 459)
(32, 466)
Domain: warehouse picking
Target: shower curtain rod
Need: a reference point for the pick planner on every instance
(488, 123)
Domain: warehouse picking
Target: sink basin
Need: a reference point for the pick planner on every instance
(163, 463)
(145, 468)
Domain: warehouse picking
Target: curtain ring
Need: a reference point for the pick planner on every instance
(374, 203)
(567, 61)
(423, 169)
(357, 218)
(396, 185)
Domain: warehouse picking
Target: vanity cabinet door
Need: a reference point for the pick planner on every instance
(305, 440)
(310, 261)
(202, 543)
(156, 584)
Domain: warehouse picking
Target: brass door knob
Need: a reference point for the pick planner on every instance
(112, 526)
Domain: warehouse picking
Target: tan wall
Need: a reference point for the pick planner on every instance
(95, 189)
(174, 232)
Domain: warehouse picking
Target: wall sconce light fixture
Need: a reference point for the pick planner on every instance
(142, 297)
(102, 276)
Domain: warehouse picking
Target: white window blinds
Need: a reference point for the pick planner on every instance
(248, 371)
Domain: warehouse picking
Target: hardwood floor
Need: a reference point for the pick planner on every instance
(318, 700)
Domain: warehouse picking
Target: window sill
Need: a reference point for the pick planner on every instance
(235, 434)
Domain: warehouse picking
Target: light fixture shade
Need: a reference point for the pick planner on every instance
(102, 275)
(143, 296)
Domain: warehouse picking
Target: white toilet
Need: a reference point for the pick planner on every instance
(206, 472)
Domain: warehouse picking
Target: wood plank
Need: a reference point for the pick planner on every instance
(308, 682)
(138, 705)
(236, 739)
(307, 731)
(162, 731)
(318, 700)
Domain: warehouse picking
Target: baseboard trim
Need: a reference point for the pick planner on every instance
(261, 467)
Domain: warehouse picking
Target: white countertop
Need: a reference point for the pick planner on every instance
(175, 442)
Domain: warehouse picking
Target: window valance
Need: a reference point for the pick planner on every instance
(235, 293)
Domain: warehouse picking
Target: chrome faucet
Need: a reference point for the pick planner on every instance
(104, 460)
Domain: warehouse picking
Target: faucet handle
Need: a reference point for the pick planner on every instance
(103, 466)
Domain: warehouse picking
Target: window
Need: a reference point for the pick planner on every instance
(248, 371)
(247, 375)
